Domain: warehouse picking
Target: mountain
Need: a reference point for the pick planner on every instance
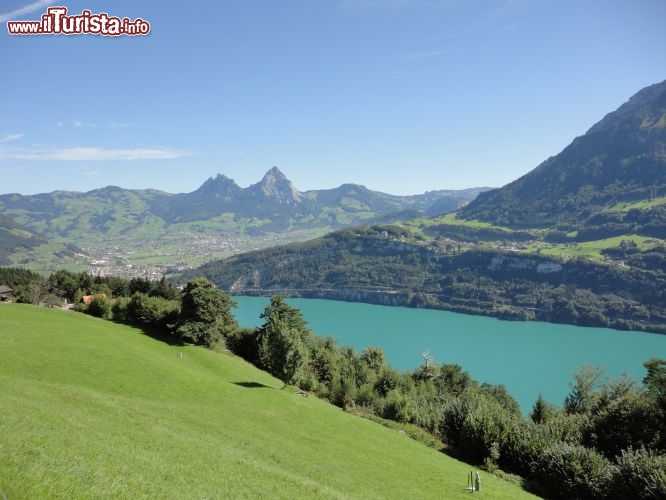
(620, 159)
(581, 239)
(275, 197)
(15, 238)
(125, 227)
(116, 210)
(275, 186)
(221, 187)
(389, 265)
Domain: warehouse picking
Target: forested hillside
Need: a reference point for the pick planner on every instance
(381, 264)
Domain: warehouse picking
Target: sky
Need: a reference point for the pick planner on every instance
(402, 96)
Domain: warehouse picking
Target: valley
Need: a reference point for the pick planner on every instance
(149, 233)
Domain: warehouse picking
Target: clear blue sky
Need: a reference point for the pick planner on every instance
(402, 96)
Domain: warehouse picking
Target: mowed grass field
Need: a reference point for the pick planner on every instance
(93, 409)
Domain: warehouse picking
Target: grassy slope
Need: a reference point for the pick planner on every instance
(92, 409)
(643, 204)
(590, 249)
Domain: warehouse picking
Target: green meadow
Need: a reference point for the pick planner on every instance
(593, 249)
(94, 409)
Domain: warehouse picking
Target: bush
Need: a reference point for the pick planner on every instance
(307, 381)
(387, 381)
(573, 471)
(396, 407)
(100, 307)
(366, 396)
(244, 343)
(640, 474)
(627, 422)
(153, 311)
(453, 418)
(342, 391)
(527, 441)
(201, 333)
(485, 429)
(119, 309)
(522, 446)
(426, 409)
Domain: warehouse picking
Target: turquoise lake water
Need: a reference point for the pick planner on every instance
(527, 357)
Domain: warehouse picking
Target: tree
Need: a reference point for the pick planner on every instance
(100, 307)
(36, 292)
(165, 290)
(655, 380)
(640, 473)
(64, 283)
(585, 391)
(205, 316)
(629, 421)
(428, 370)
(452, 379)
(101, 289)
(542, 411)
(324, 360)
(153, 311)
(282, 351)
(373, 360)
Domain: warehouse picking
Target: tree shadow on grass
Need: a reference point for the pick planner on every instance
(252, 385)
(156, 333)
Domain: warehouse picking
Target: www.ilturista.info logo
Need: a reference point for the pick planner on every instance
(57, 22)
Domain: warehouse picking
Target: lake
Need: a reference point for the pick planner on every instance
(527, 357)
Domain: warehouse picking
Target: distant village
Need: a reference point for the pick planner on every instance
(170, 255)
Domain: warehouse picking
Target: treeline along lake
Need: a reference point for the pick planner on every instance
(527, 357)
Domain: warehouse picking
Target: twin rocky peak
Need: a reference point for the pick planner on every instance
(274, 186)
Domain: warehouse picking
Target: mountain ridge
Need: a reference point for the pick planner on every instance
(216, 219)
(220, 194)
(620, 158)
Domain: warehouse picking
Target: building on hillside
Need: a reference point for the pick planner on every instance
(6, 293)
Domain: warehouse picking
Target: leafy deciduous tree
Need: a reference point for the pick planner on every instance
(281, 348)
(205, 313)
(585, 390)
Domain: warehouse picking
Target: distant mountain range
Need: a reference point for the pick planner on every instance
(276, 198)
(580, 239)
(273, 204)
(165, 223)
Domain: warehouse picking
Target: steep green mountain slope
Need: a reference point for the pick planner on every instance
(620, 159)
(15, 238)
(92, 409)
